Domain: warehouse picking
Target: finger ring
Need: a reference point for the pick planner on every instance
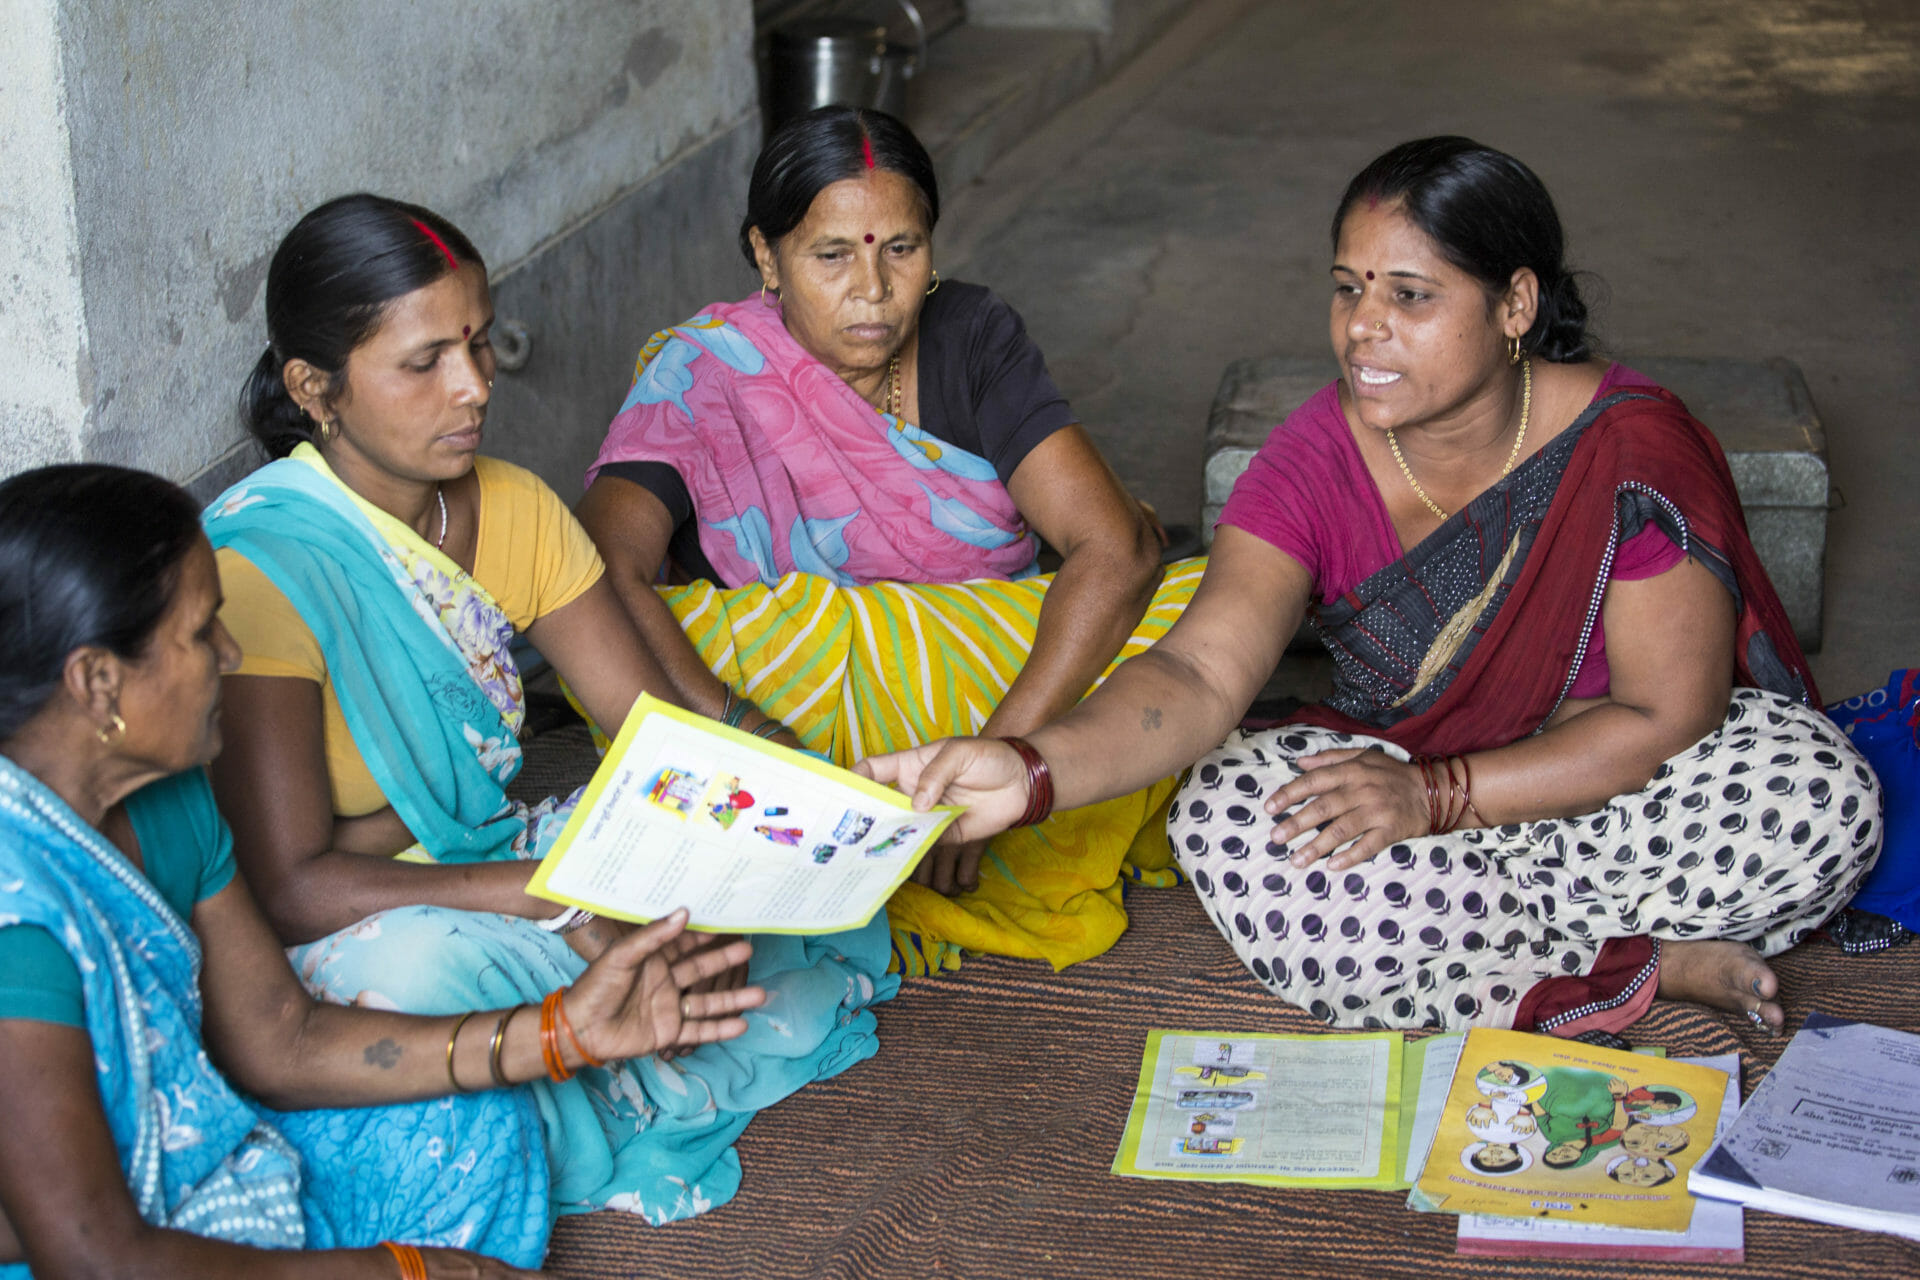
(686, 1014)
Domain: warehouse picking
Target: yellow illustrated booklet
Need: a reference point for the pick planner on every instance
(748, 836)
(1540, 1127)
(1275, 1110)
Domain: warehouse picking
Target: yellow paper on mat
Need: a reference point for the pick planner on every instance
(1275, 1110)
(749, 836)
(1540, 1127)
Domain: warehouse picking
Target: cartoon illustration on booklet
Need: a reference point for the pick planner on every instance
(747, 835)
(1541, 1127)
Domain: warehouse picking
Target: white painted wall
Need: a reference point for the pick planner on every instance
(43, 347)
(168, 146)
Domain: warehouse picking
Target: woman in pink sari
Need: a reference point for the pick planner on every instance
(859, 421)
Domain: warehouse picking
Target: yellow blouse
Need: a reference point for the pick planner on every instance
(531, 555)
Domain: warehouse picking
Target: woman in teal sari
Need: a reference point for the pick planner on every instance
(375, 576)
(156, 1049)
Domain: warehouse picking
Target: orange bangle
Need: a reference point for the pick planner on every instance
(550, 1039)
(566, 1025)
(412, 1265)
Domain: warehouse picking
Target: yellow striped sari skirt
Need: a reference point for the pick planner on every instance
(858, 671)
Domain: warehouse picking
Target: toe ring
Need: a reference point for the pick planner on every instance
(1753, 1016)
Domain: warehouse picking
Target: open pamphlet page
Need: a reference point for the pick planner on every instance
(1831, 1134)
(1716, 1233)
(1276, 1110)
(1546, 1128)
(748, 836)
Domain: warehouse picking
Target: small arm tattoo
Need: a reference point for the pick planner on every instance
(1150, 718)
(383, 1054)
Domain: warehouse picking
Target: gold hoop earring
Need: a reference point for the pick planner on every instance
(936, 282)
(1513, 350)
(111, 732)
(763, 296)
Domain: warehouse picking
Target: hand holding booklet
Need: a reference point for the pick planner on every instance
(749, 836)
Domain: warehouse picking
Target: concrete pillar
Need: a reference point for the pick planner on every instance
(43, 339)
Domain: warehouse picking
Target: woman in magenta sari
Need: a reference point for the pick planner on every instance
(1573, 757)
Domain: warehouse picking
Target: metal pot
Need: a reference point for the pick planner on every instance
(842, 62)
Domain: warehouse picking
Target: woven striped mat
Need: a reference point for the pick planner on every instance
(978, 1142)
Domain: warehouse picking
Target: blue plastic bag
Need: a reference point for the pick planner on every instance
(1885, 726)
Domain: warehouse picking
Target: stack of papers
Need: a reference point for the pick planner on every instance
(1832, 1133)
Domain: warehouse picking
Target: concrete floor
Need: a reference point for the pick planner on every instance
(1741, 176)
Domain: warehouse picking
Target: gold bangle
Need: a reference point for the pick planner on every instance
(499, 1043)
(457, 1027)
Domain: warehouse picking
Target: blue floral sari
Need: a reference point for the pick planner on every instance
(418, 654)
(199, 1156)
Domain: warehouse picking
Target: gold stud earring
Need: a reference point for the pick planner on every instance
(936, 282)
(111, 732)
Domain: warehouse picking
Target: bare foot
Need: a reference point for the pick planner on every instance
(1721, 975)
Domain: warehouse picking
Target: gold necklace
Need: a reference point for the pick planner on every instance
(893, 386)
(1513, 454)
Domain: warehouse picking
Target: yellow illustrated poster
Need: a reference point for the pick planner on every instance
(1277, 1110)
(748, 836)
(1540, 1127)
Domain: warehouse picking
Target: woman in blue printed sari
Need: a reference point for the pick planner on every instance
(156, 1049)
(375, 575)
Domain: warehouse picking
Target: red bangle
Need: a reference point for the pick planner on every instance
(550, 1039)
(1039, 783)
(566, 1025)
(412, 1265)
(1425, 765)
(1447, 805)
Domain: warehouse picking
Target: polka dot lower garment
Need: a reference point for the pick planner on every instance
(1758, 832)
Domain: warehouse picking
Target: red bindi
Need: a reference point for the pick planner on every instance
(1369, 275)
(869, 237)
(466, 329)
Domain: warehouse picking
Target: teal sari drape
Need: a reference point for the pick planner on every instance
(418, 653)
(198, 1155)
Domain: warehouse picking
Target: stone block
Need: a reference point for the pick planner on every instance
(1760, 410)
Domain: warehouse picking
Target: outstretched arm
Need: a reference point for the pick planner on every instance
(1155, 715)
(280, 1045)
(67, 1208)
